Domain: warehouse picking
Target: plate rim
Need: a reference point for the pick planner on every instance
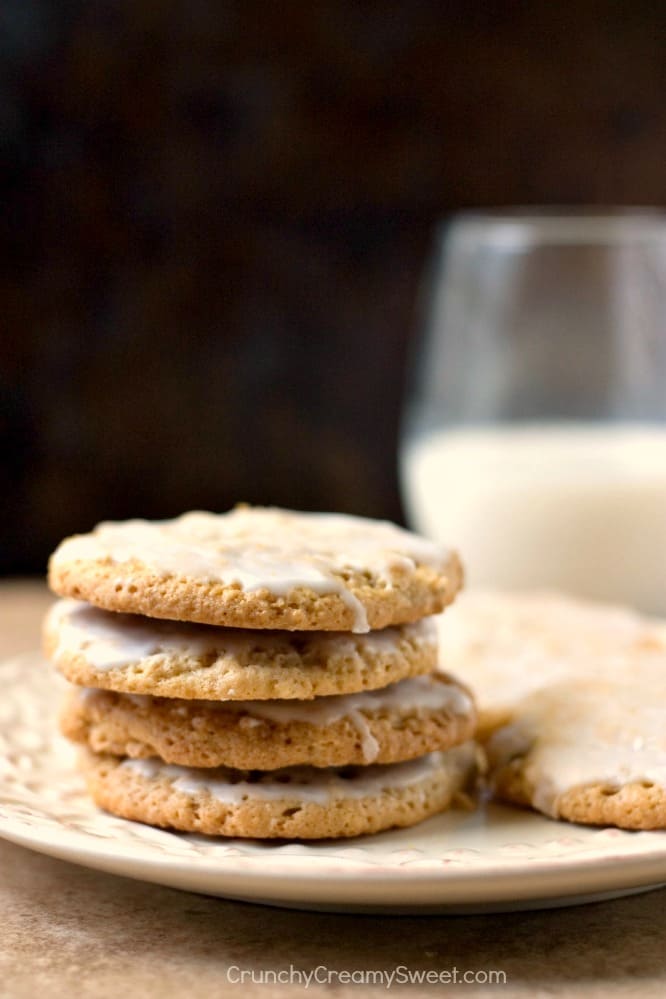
(348, 880)
(276, 888)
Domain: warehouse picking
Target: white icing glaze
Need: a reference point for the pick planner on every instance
(308, 784)
(608, 731)
(263, 548)
(369, 745)
(114, 641)
(409, 696)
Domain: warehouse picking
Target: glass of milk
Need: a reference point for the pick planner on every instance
(534, 437)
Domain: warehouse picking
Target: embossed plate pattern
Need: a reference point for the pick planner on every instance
(495, 858)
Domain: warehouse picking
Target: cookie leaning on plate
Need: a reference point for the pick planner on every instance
(405, 720)
(509, 645)
(295, 803)
(138, 655)
(260, 568)
(590, 750)
(576, 692)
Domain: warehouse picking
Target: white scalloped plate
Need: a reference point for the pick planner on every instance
(496, 858)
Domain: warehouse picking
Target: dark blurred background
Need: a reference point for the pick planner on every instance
(215, 215)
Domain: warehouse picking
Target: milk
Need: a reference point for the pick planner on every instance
(580, 507)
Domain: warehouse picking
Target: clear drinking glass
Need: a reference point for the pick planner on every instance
(534, 436)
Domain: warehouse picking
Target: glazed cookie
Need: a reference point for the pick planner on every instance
(590, 750)
(400, 722)
(260, 568)
(509, 645)
(293, 803)
(136, 655)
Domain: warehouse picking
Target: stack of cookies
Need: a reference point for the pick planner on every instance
(260, 673)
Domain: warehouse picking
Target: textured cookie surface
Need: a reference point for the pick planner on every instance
(295, 803)
(506, 646)
(400, 722)
(130, 654)
(260, 568)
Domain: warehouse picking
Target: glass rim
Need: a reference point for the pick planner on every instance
(524, 225)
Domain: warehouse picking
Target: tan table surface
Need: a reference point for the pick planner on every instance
(67, 931)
